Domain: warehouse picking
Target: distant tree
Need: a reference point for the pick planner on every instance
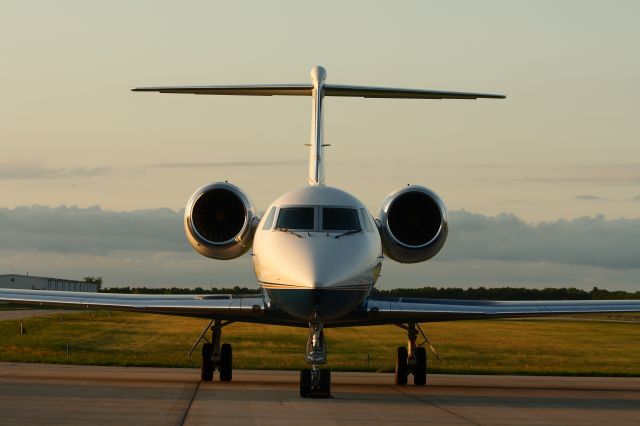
(178, 290)
(94, 280)
(505, 293)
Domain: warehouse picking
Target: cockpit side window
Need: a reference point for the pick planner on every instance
(366, 220)
(269, 221)
(340, 219)
(301, 218)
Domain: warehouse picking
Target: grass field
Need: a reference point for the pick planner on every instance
(548, 347)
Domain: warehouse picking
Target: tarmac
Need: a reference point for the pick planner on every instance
(72, 395)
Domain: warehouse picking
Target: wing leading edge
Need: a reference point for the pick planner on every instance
(230, 307)
(394, 310)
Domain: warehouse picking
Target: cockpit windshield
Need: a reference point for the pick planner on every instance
(300, 218)
(340, 219)
(303, 218)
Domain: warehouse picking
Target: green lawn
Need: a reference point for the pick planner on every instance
(480, 347)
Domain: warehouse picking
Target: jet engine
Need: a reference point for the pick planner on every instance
(413, 224)
(220, 221)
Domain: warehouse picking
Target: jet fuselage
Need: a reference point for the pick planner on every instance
(317, 251)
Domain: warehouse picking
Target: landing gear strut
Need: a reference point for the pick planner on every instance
(216, 355)
(315, 382)
(412, 359)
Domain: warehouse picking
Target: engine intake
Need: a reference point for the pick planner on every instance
(219, 221)
(413, 224)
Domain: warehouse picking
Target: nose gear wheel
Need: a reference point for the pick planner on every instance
(315, 382)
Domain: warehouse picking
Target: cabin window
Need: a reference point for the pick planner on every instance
(301, 218)
(340, 219)
(269, 221)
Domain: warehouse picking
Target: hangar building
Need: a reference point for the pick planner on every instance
(28, 282)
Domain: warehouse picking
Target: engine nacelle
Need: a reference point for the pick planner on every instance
(220, 221)
(413, 224)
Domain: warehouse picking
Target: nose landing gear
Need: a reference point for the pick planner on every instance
(315, 382)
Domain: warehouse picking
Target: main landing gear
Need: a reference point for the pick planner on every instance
(216, 355)
(315, 382)
(413, 358)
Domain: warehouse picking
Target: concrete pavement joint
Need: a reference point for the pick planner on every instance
(193, 396)
(417, 398)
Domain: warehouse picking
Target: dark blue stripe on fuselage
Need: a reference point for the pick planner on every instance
(327, 303)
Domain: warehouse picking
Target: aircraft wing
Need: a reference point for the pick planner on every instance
(374, 311)
(403, 310)
(242, 308)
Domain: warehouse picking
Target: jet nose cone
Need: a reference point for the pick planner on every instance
(321, 276)
(308, 273)
(324, 265)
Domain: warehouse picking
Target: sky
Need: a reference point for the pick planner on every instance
(543, 187)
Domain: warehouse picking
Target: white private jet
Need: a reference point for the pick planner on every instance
(317, 253)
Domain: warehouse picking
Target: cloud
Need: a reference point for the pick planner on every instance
(593, 241)
(600, 174)
(35, 171)
(588, 197)
(207, 164)
(90, 230)
(30, 171)
(148, 247)
(597, 173)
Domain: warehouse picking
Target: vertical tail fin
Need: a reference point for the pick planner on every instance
(316, 145)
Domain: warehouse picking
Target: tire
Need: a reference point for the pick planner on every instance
(226, 363)
(420, 371)
(325, 382)
(401, 366)
(206, 368)
(305, 382)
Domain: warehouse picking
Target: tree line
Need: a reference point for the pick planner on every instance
(471, 293)
(181, 290)
(508, 293)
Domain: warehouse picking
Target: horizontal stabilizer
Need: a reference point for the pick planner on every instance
(328, 90)
(253, 90)
(385, 92)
